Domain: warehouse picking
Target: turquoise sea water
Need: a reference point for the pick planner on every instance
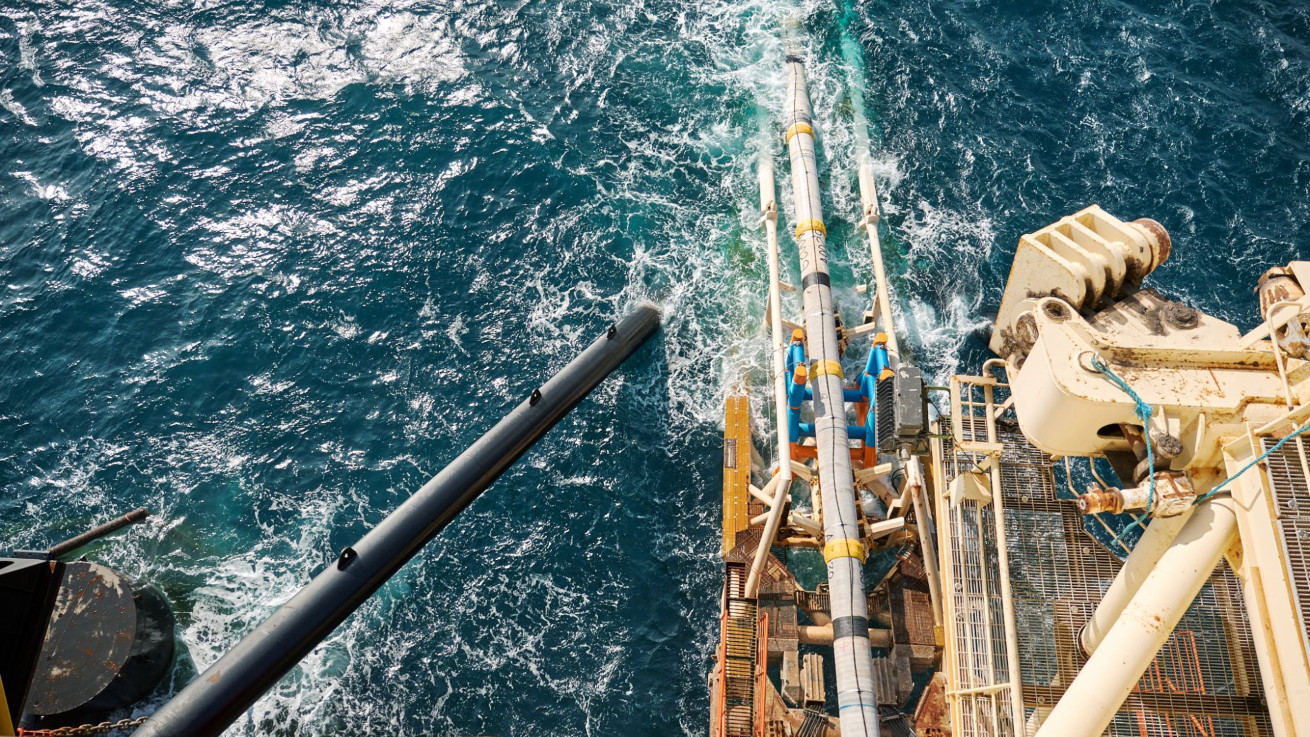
(265, 267)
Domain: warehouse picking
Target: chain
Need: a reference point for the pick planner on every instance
(85, 729)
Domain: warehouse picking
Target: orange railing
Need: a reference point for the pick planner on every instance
(1176, 669)
(718, 710)
(762, 675)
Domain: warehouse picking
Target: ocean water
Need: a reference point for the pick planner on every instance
(265, 267)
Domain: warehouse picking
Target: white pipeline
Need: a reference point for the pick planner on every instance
(769, 208)
(1090, 703)
(872, 214)
(852, 656)
(1141, 561)
(923, 520)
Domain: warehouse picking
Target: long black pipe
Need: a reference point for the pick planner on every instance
(215, 699)
(95, 533)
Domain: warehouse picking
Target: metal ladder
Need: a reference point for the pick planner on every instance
(740, 655)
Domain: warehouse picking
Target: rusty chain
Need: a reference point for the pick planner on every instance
(84, 730)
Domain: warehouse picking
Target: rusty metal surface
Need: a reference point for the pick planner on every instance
(88, 640)
(782, 628)
(813, 693)
(913, 627)
(735, 694)
(815, 724)
(97, 532)
(931, 718)
(812, 601)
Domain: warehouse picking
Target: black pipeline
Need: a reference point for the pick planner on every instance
(211, 702)
(95, 533)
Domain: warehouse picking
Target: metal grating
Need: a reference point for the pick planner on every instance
(813, 600)
(739, 655)
(1289, 478)
(1205, 680)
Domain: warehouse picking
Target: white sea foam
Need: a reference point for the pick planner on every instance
(50, 192)
(27, 52)
(15, 108)
(700, 257)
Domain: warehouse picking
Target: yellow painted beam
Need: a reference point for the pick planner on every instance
(736, 468)
(6, 722)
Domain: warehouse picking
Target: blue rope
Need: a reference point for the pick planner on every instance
(1143, 411)
(1248, 466)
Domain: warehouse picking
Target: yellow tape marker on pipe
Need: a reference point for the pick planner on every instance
(799, 128)
(822, 368)
(806, 226)
(843, 548)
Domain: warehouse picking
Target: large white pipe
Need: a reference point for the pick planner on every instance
(1090, 703)
(872, 214)
(852, 656)
(923, 521)
(869, 195)
(1157, 538)
(1003, 564)
(771, 524)
(769, 209)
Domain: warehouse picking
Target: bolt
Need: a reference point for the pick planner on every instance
(1055, 310)
(1166, 446)
(1180, 316)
